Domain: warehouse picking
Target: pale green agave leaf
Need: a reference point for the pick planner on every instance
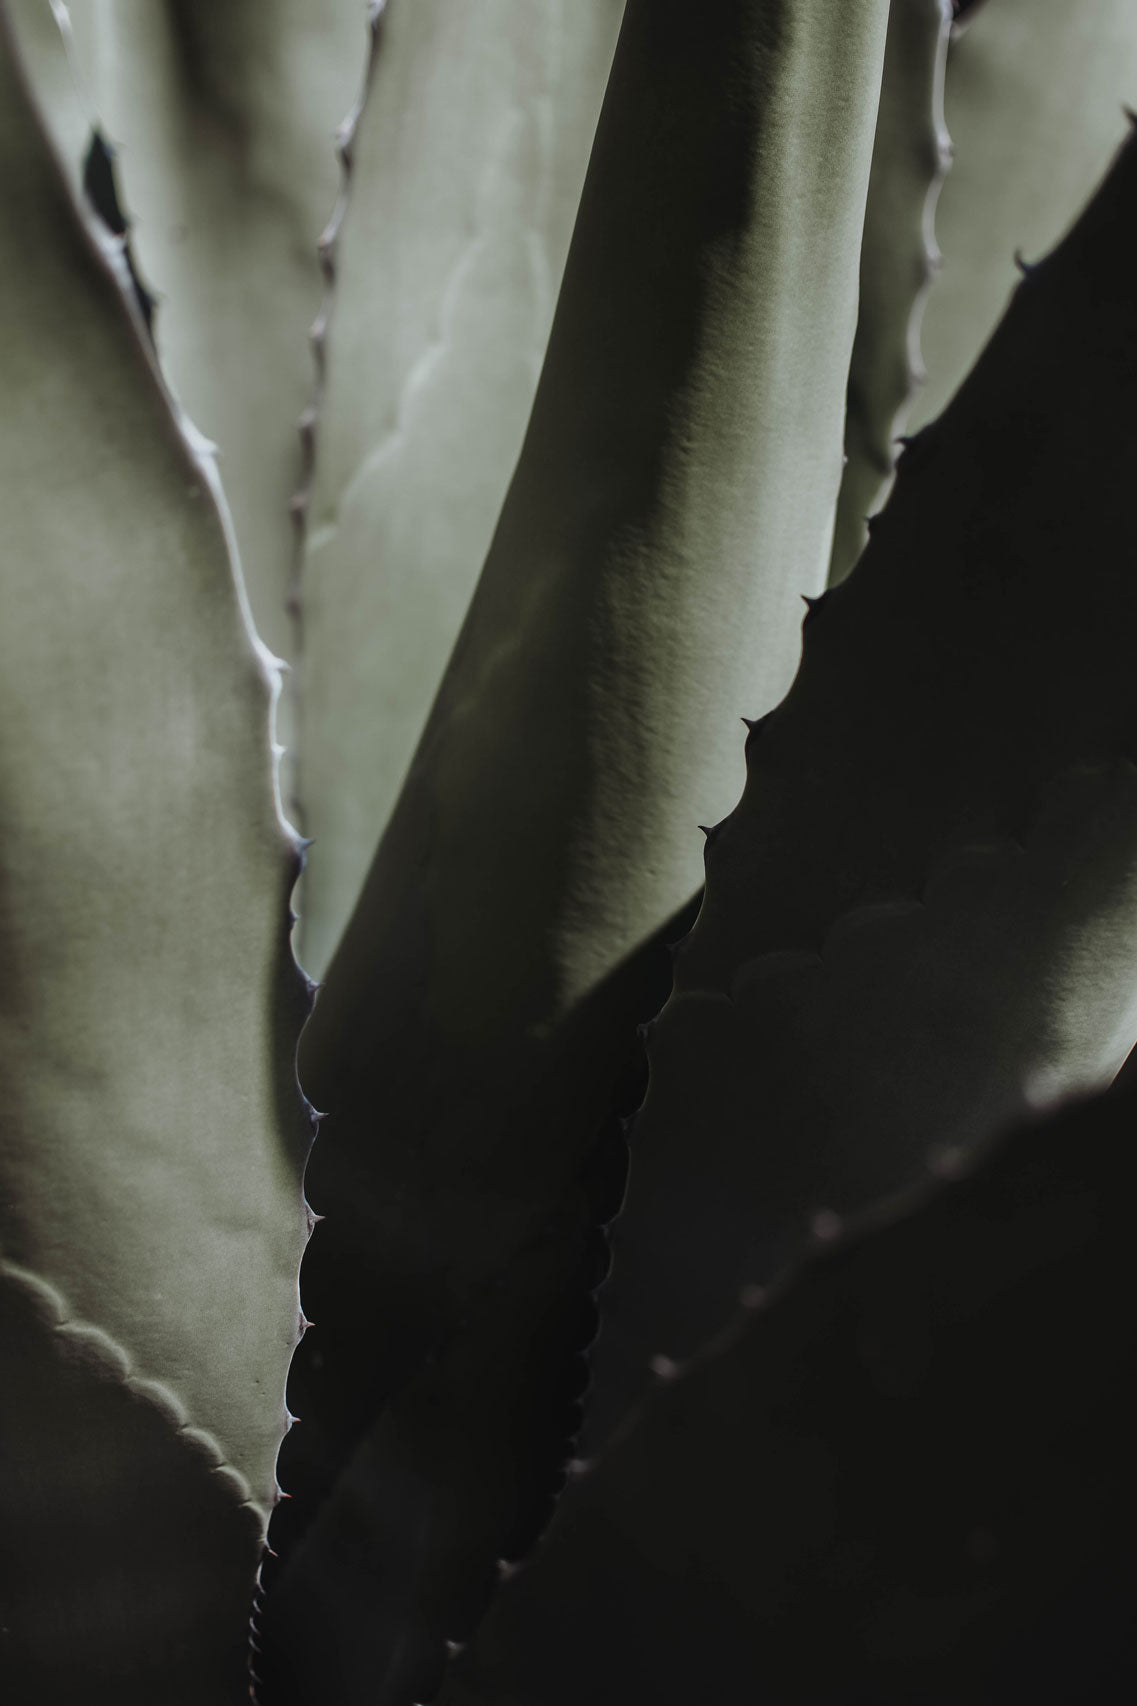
(1034, 92)
(223, 119)
(922, 916)
(467, 165)
(673, 498)
(902, 1477)
(898, 261)
(151, 1221)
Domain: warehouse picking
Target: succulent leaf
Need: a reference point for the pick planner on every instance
(903, 1476)
(154, 1133)
(466, 168)
(673, 498)
(1033, 98)
(922, 914)
(898, 262)
(130, 1546)
(222, 118)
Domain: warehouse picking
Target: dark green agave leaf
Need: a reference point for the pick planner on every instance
(673, 497)
(150, 1210)
(903, 1477)
(922, 916)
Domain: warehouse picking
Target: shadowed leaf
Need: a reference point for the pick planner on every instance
(922, 915)
(673, 497)
(904, 1479)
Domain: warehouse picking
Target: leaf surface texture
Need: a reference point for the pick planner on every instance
(154, 1134)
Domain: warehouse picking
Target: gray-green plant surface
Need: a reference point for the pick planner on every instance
(529, 521)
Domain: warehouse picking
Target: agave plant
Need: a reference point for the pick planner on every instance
(687, 1294)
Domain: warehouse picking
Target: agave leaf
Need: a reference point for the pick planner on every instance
(904, 1477)
(130, 1546)
(467, 165)
(825, 1082)
(922, 915)
(223, 120)
(898, 261)
(1034, 90)
(673, 497)
(154, 1134)
(467, 1461)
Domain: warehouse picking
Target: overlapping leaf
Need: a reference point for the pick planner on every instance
(1033, 96)
(905, 1477)
(673, 498)
(223, 117)
(922, 914)
(468, 161)
(898, 261)
(151, 1219)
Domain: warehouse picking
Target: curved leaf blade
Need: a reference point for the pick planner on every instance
(899, 258)
(921, 916)
(466, 169)
(223, 121)
(149, 1178)
(903, 1477)
(485, 994)
(1032, 99)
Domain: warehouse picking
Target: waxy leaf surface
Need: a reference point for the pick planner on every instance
(673, 498)
(154, 1134)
